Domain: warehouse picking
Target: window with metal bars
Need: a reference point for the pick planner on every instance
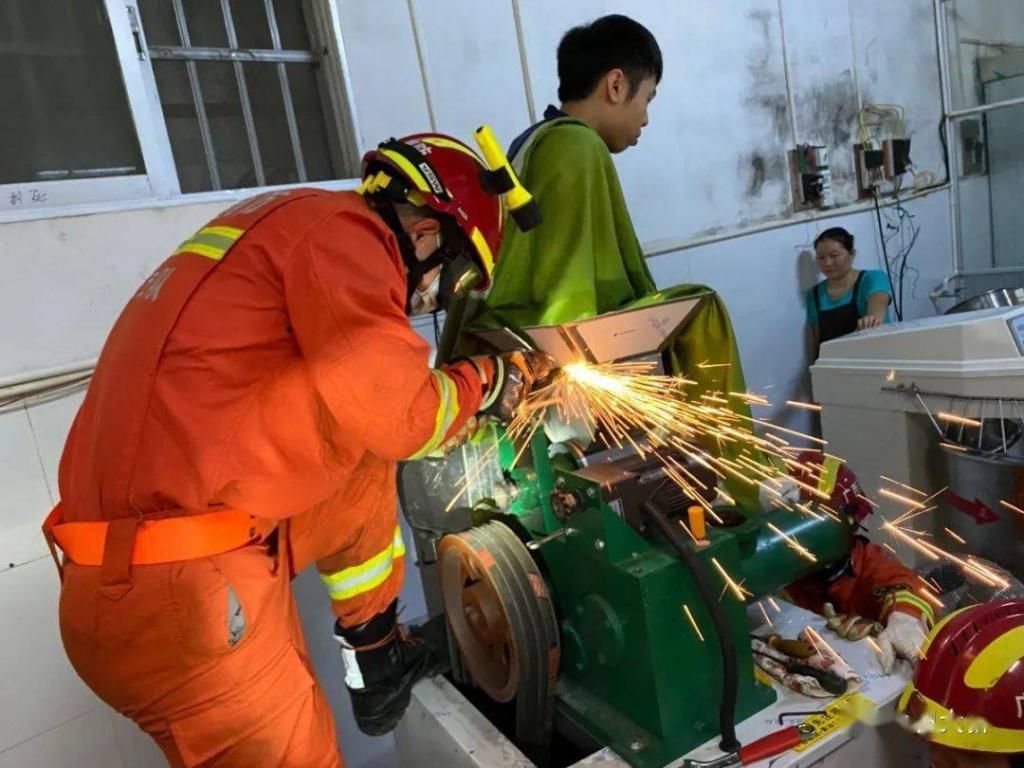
(241, 88)
(64, 112)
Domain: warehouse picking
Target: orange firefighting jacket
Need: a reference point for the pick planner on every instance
(870, 584)
(259, 368)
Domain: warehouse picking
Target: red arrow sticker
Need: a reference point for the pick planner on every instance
(981, 514)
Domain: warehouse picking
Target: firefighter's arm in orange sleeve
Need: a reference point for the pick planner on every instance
(345, 291)
(878, 584)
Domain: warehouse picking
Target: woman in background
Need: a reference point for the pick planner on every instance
(848, 299)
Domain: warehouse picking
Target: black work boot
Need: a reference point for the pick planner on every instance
(383, 661)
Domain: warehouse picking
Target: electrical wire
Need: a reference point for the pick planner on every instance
(885, 258)
(881, 115)
(902, 258)
(945, 147)
(726, 643)
(897, 245)
(44, 394)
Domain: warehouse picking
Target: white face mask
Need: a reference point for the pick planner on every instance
(425, 301)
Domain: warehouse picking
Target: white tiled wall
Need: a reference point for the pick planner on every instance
(86, 741)
(50, 422)
(25, 491)
(48, 718)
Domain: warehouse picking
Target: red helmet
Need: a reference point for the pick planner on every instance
(834, 478)
(447, 176)
(968, 690)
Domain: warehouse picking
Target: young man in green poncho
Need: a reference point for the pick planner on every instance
(584, 259)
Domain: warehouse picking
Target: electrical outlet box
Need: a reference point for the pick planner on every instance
(870, 169)
(897, 157)
(972, 147)
(811, 172)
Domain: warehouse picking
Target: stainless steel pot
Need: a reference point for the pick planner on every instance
(1001, 297)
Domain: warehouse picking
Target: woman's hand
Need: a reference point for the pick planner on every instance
(868, 321)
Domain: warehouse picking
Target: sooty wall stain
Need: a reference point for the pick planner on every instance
(829, 112)
(767, 96)
(760, 169)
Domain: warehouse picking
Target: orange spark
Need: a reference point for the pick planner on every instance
(955, 537)
(954, 419)
(736, 589)
(693, 622)
(805, 406)
(793, 544)
(829, 648)
(1010, 506)
(900, 498)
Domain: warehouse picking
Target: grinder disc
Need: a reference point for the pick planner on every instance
(501, 615)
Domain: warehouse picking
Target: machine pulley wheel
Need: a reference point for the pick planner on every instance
(500, 613)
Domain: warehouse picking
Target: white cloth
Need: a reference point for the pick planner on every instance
(774, 493)
(902, 638)
(426, 301)
(568, 429)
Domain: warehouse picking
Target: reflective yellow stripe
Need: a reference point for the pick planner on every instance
(909, 598)
(829, 474)
(368, 575)
(373, 183)
(447, 413)
(440, 141)
(995, 660)
(211, 242)
(949, 729)
(411, 171)
(231, 233)
(937, 629)
(209, 251)
(482, 248)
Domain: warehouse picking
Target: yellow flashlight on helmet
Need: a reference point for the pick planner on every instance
(502, 179)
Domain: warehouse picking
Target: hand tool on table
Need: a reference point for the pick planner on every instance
(830, 681)
(768, 746)
(798, 649)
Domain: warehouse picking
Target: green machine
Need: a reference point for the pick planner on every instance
(571, 591)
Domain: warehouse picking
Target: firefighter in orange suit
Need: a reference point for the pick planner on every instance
(869, 592)
(244, 421)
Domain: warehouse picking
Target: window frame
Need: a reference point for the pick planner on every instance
(159, 186)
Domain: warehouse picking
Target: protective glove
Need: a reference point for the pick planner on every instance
(850, 627)
(772, 494)
(902, 638)
(515, 375)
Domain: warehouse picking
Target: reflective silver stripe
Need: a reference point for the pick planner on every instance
(499, 382)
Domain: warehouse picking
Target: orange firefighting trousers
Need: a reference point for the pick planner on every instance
(207, 656)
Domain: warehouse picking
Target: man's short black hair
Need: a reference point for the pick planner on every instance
(590, 51)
